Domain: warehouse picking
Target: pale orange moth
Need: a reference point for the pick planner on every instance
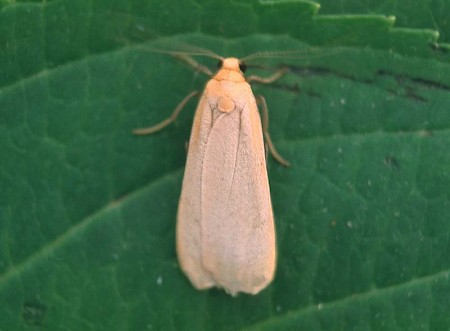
(225, 233)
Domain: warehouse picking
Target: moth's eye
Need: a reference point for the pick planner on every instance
(243, 67)
(220, 64)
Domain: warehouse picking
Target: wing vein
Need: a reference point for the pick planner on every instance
(236, 156)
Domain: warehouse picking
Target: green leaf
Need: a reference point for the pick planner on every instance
(87, 210)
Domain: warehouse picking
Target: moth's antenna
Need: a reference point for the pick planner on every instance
(292, 54)
(177, 49)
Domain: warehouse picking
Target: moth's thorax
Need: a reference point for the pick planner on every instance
(226, 95)
(230, 71)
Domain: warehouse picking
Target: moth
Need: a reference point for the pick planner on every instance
(225, 232)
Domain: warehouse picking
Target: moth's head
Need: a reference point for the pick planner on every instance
(232, 63)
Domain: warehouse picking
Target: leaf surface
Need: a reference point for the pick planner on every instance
(87, 210)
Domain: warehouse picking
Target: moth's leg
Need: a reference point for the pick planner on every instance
(265, 127)
(168, 120)
(267, 80)
(194, 64)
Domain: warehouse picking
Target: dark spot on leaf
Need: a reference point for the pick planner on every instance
(391, 162)
(34, 313)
